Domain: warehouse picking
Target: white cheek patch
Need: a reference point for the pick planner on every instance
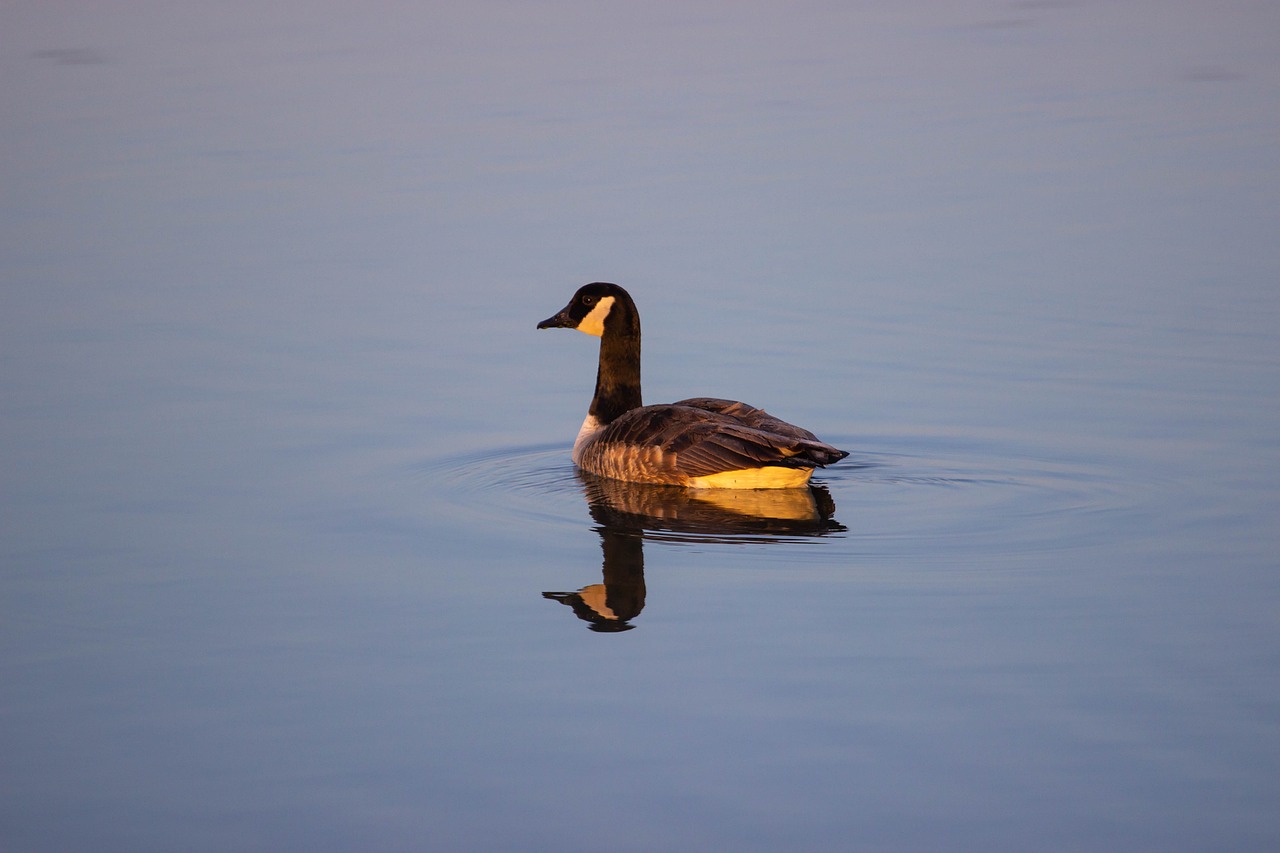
(593, 323)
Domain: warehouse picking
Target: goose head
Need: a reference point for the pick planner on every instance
(596, 308)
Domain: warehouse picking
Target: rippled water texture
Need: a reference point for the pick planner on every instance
(935, 491)
(292, 554)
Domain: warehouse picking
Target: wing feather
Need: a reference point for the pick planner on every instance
(703, 436)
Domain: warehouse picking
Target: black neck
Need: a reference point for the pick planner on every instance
(618, 377)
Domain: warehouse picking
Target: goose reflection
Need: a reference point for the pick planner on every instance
(628, 513)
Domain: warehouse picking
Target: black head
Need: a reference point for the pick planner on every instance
(594, 308)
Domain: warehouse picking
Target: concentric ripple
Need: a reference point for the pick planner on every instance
(935, 495)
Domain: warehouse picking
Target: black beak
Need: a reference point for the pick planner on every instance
(559, 321)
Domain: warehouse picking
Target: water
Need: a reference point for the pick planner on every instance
(293, 555)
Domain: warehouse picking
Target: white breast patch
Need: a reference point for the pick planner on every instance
(590, 427)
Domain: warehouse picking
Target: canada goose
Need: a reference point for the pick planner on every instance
(700, 442)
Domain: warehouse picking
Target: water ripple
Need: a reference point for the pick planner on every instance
(938, 496)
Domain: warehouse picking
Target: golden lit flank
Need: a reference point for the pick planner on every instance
(771, 477)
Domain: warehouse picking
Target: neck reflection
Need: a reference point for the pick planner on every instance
(626, 514)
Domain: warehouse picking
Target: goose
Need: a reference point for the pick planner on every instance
(701, 442)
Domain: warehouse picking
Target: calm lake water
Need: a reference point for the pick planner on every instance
(292, 552)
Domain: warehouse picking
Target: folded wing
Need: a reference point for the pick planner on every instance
(702, 436)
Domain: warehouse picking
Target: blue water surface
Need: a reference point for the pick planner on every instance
(292, 555)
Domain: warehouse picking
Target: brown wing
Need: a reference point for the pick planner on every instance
(703, 436)
(749, 416)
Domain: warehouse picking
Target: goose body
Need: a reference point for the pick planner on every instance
(701, 442)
